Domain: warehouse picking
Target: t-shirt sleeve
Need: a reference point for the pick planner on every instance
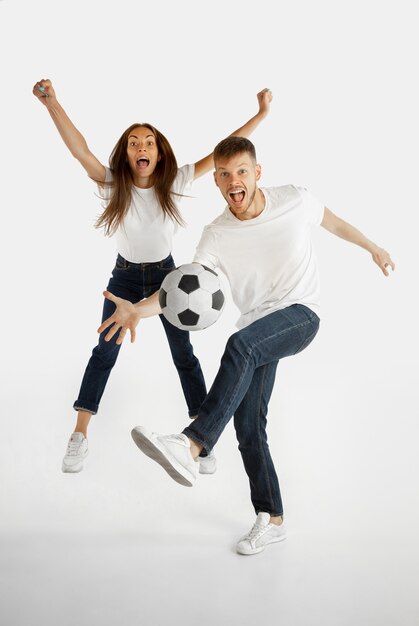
(314, 209)
(206, 251)
(184, 178)
(104, 191)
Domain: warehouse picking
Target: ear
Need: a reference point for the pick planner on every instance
(215, 178)
(258, 170)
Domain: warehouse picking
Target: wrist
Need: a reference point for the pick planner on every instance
(261, 114)
(53, 106)
(371, 247)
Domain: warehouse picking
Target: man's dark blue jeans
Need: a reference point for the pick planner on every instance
(243, 387)
(133, 282)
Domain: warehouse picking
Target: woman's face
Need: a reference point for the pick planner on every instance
(142, 152)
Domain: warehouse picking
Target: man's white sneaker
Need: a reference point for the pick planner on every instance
(207, 464)
(262, 533)
(172, 452)
(77, 451)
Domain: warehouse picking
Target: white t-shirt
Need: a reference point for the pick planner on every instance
(269, 260)
(146, 233)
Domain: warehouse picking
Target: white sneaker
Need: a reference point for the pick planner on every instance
(262, 533)
(207, 464)
(172, 452)
(77, 451)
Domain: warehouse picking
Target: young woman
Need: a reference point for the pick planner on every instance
(141, 191)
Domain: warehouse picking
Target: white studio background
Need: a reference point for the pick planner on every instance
(343, 122)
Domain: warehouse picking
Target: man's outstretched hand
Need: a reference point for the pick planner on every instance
(382, 258)
(125, 317)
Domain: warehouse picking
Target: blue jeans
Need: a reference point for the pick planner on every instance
(133, 282)
(243, 387)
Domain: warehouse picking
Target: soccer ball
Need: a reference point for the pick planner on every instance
(190, 297)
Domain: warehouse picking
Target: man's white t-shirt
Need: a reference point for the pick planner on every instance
(269, 260)
(146, 233)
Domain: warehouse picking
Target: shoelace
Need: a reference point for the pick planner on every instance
(256, 532)
(73, 447)
(177, 438)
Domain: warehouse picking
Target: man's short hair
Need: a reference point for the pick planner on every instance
(230, 146)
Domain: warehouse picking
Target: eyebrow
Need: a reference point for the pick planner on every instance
(146, 137)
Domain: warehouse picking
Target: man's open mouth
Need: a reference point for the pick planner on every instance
(237, 196)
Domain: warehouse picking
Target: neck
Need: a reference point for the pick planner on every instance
(143, 182)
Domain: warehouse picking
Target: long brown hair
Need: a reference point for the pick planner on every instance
(122, 182)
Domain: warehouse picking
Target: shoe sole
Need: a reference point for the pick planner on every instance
(261, 549)
(162, 456)
(75, 469)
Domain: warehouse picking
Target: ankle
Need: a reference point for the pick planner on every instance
(83, 432)
(196, 448)
(277, 520)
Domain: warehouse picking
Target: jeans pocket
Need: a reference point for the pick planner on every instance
(167, 265)
(121, 263)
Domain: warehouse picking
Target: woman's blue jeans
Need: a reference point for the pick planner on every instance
(133, 282)
(243, 387)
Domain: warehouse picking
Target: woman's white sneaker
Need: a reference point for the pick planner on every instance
(77, 450)
(172, 452)
(261, 534)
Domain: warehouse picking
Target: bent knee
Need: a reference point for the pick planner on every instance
(237, 344)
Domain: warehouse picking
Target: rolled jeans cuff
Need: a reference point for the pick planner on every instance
(86, 406)
(191, 434)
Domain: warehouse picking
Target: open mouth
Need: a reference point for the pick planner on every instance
(237, 196)
(142, 163)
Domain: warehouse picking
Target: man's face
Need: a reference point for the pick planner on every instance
(236, 178)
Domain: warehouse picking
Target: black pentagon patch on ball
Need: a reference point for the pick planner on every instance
(210, 270)
(189, 283)
(162, 298)
(188, 318)
(217, 300)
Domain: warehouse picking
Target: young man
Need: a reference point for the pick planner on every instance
(262, 243)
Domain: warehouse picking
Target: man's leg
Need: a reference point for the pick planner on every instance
(273, 337)
(250, 424)
(267, 340)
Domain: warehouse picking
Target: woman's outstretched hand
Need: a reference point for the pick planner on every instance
(44, 91)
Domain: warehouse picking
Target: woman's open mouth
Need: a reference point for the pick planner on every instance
(143, 163)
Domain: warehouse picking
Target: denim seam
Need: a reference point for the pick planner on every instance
(283, 332)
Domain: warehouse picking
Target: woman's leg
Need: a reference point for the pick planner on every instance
(125, 283)
(187, 365)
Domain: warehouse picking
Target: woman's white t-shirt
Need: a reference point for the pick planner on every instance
(146, 233)
(269, 260)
